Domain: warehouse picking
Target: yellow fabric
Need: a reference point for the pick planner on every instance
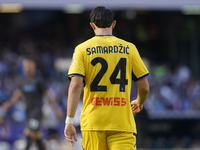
(108, 140)
(107, 64)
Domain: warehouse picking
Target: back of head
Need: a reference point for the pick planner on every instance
(102, 17)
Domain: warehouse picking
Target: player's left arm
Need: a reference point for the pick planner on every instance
(53, 104)
(143, 92)
(139, 75)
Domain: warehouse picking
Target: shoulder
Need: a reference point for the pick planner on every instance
(128, 45)
(40, 83)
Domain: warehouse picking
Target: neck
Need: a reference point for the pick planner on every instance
(103, 31)
(30, 76)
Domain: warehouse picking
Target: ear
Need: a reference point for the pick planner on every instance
(113, 24)
(92, 25)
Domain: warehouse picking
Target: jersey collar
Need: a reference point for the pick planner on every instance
(104, 35)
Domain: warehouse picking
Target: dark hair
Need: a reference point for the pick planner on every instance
(30, 57)
(102, 17)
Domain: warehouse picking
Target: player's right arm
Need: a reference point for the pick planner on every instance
(75, 90)
(15, 97)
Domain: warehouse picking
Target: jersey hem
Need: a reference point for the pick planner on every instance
(113, 129)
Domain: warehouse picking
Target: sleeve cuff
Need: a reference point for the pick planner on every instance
(72, 75)
(140, 78)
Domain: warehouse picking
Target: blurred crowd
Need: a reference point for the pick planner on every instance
(175, 93)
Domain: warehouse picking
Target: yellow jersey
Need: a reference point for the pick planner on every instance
(108, 65)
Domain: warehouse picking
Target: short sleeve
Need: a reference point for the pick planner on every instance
(139, 69)
(77, 65)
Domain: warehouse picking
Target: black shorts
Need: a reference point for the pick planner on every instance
(33, 120)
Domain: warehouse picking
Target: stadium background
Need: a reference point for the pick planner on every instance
(167, 35)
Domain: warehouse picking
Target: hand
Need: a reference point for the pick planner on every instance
(69, 132)
(136, 106)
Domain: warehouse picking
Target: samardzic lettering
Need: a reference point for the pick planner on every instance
(108, 49)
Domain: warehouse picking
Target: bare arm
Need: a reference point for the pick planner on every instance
(53, 104)
(74, 93)
(14, 98)
(143, 92)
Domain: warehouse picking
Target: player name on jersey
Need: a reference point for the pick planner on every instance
(108, 101)
(108, 49)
